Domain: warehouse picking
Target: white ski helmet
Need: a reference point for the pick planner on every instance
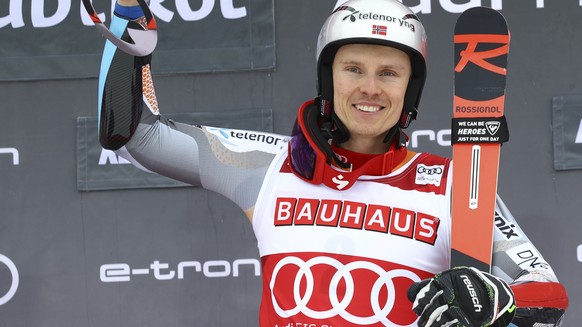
(382, 22)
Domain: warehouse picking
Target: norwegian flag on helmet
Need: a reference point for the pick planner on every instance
(379, 29)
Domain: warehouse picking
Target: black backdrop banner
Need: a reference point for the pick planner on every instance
(567, 131)
(50, 39)
(57, 243)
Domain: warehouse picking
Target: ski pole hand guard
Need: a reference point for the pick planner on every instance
(143, 31)
(462, 297)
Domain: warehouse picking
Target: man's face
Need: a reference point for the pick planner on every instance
(369, 86)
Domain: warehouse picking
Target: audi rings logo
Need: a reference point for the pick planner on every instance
(15, 279)
(422, 169)
(380, 306)
(429, 174)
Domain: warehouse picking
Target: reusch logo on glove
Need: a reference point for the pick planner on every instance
(474, 298)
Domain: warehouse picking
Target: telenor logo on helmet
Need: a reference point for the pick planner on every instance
(357, 15)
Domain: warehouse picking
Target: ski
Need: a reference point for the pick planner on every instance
(481, 47)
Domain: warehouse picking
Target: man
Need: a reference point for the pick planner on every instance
(374, 243)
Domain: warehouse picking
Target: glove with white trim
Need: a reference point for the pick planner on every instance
(462, 297)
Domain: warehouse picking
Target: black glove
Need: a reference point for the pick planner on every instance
(462, 297)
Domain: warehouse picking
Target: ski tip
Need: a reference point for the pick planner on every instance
(481, 20)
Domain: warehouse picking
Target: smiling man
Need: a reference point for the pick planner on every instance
(352, 228)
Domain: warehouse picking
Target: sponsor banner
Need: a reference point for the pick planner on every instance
(567, 131)
(11, 153)
(8, 286)
(100, 169)
(162, 271)
(425, 136)
(450, 6)
(224, 35)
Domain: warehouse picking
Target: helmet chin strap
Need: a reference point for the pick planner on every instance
(341, 132)
(397, 136)
(331, 126)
